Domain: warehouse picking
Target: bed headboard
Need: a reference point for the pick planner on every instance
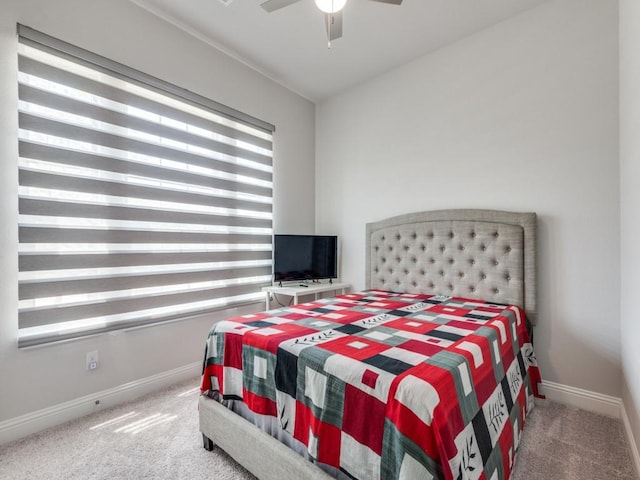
(483, 254)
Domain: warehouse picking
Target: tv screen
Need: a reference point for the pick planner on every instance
(304, 257)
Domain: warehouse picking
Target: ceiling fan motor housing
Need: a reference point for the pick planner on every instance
(332, 10)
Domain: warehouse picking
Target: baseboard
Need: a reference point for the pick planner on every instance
(633, 446)
(584, 399)
(19, 427)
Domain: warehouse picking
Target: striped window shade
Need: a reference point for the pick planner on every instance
(139, 202)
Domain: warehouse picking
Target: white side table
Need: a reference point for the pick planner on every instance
(296, 291)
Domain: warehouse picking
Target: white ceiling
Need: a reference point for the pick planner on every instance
(290, 45)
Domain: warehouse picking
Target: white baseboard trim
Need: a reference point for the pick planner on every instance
(633, 446)
(584, 399)
(19, 427)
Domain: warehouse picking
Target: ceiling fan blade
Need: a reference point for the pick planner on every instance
(333, 23)
(393, 2)
(271, 5)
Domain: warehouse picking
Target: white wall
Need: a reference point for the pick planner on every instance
(522, 116)
(32, 379)
(630, 206)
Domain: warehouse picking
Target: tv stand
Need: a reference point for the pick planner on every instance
(296, 291)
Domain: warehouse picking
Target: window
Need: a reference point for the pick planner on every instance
(139, 202)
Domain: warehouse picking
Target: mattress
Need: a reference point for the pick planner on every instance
(377, 384)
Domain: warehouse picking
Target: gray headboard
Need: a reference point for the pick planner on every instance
(480, 254)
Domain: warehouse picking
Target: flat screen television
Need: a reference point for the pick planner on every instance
(304, 257)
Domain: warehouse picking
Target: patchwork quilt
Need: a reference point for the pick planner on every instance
(385, 385)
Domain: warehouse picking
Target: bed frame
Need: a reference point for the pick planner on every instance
(483, 254)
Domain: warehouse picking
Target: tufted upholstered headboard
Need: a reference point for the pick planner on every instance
(482, 254)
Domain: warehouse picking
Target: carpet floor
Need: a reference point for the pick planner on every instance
(157, 437)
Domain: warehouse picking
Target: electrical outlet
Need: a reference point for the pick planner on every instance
(92, 360)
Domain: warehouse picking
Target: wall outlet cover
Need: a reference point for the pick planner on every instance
(92, 360)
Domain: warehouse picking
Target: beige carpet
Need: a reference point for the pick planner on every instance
(566, 443)
(157, 437)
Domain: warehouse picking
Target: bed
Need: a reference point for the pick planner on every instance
(427, 373)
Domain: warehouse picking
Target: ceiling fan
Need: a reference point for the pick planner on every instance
(332, 10)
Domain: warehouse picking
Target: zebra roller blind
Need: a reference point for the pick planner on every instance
(139, 202)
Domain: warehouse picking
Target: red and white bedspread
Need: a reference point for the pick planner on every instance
(385, 385)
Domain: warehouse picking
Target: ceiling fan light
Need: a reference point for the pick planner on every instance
(331, 6)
